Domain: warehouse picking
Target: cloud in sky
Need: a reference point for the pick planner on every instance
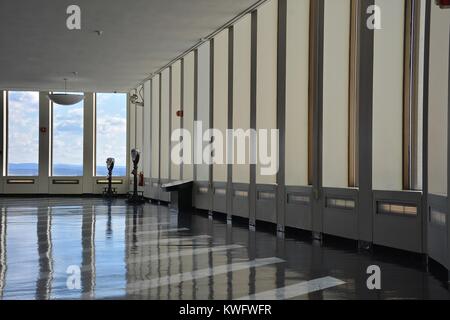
(23, 140)
(23, 127)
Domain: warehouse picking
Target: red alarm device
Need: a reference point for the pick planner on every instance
(444, 4)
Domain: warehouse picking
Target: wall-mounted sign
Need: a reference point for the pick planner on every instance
(443, 4)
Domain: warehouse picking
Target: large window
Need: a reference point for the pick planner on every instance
(23, 133)
(67, 156)
(111, 132)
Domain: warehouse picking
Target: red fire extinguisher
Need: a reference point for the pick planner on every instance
(141, 179)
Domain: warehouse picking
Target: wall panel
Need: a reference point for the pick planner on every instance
(147, 121)
(336, 93)
(266, 100)
(297, 85)
(165, 124)
(155, 128)
(438, 102)
(388, 97)
(175, 120)
(132, 126)
(220, 102)
(203, 95)
(139, 129)
(188, 109)
(241, 92)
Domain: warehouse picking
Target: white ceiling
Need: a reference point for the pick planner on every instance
(140, 36)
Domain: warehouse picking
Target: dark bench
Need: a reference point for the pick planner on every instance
(181, 194)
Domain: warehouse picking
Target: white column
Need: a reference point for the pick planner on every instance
(88, 143)
(45, 134)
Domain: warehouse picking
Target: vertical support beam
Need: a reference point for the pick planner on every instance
(2, 146)
(253, 80)
(88, 142)
(150, 131)
(181, 108)
(448, 167)
(365, 102)
(281, 112)
(353, 171)
(170, 120)
(426, 79)
(211, 121)
(159, 136)
(317, 105)
(195, 109)
(45, 142)
(229, 192)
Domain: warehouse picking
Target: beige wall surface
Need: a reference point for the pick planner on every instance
(155, 128)
(220, 101)
(188, 108)
(147, 121)
(336, 93)
(132, 126)
(203, 102)
(297, 84)
(241, 91)
(175, 120)
(165, 124)
(388, 97)
(438, 101)
(266, 100)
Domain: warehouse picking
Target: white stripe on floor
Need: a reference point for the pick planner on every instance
(198, 274)
(168, 240)
(143, 233)
(296, 290)
(183, 253)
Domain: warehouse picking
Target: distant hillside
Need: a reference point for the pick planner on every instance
(32, 169)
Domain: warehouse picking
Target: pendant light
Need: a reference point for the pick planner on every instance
(65, 99)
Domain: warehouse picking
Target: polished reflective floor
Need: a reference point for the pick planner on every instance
(70, 248)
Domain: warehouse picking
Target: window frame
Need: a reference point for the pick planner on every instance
(6, 113)
(52, 138)
(94, 142)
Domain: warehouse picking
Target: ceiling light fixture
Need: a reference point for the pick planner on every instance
(65, 99)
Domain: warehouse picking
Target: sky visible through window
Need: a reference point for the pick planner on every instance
(111, 132)
(23, 133)
(68, 140)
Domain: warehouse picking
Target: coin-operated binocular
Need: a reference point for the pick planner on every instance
(135, 197)
(110, 167)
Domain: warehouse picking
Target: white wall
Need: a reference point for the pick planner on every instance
(438, 101)
(165, 122)
(220, 100)
(155, 127)
(241, 91)
(336, 93)
(266, 100)
(297, 84)
(176, 106)
(188, 108)
(388, 97)
(146, 135)
(203, 103)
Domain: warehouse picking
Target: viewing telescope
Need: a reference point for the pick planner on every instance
(134, 197)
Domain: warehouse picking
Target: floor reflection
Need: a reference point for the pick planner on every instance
(149, 252)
